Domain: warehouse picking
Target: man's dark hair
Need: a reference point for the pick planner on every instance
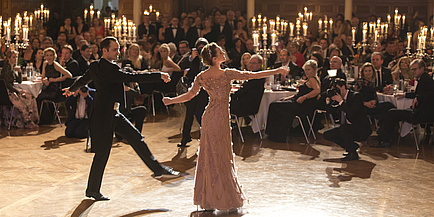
(62, 33)
(287, 52)
(84, 47)
(339, 81)
(105, 43)
(184, 42)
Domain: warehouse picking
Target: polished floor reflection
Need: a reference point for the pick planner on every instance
(43, 173)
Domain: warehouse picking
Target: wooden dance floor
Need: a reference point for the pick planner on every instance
(43, 173)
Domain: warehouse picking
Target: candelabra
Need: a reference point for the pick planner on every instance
(91, 12)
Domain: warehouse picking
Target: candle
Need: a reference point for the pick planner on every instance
(85, 14)
(277, 23)
(325, 24)
(304, 29)
(403, 20)
(255, 38)
(408, 40)
(388, 18)
(319, 24)
(98, 14)
(272, 25)
(273, 39)
(8, 34)
(134, 31)
(264, 28)
(364, 35)
(129, 31)
(291, 29)
(399, 18)
(285, 26)
(91, 15)
(253, 22)
(259, 20)
(331, 24)
(386, 28)
(150, 8)
(353, 31)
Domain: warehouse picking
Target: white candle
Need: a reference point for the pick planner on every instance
(255, 38)
(134, 31)
(310, 16)
(331, 24)
(273, 39)
(98, 14)
(277, 23)
(304, 29)
(353, 31)
(364, 35)
(291, 29)
(272, 25)
(85, 14)
(8, 34)
(408, 40)
(388, 18)
(375, 35)
(319, 24)
(254, 22)
(91, 15)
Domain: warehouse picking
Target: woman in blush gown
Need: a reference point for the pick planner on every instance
(216, 182)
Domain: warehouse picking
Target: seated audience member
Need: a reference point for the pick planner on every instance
(249, 46)
(355, 125)
(235, 54)
(38, 60)
(184, 51)
(95, 55)
(77, 52)
(134, 59)
(335, 64)
(25, 114)
(296, 56)
(366, 86)
(389, 53)
(247, 99)
(173, 52)
(83, 60)
(67, 62)
(52, 76)
(80, 106)
(383, 77)
(168, 65)
(282, 113)
(402, 70)
(285, 60)
(245, 59)
(321, 72)
(422, 108)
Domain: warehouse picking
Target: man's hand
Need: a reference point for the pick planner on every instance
(370, 104)
(165, 77)
(167, 101)
(67, 92)
(284, 71)
(194, 53)
(387, 88)
(337, 98)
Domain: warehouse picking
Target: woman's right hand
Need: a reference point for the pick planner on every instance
(45, 81)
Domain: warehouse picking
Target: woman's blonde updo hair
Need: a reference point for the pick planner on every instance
(50, 49)
(208, 52)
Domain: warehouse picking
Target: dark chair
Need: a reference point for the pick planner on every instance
(56, 106)
(413, 130)
(5, 101)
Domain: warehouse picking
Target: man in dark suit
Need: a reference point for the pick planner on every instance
(174, 33)
(222, 28)
(69, 64)
(80, 106)
(355, 125)
(77, 53)
(247, 99)
(145, 28)
(157, 25)
(193, 32)
(196, 106)
(335, 64)
(422, 108)
(109, 81)
(383, 76)
(83, 60)
(294, 70)
(389, 53)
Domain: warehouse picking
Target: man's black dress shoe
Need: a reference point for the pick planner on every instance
(167, 173)
(351, 156)
(97, 196)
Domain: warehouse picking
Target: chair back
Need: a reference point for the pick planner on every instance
(4, 96)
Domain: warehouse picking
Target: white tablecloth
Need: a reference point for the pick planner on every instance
(402, 103)
(32, 87)
(268, 97)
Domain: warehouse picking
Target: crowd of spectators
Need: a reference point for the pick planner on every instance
(63, 51)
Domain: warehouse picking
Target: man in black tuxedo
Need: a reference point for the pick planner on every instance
(196, 106)
(174, 33)
(355, 125)
(247, 99)
(77, 53)
(389, 53)
(69, 64)
(231, 24)
(145, 28)
(193, 32)
(383, 76)
(109, 81)
(80, 106)
(222, 28)
(184, 51)
(422, 108)
(83, 60)
(294, 70)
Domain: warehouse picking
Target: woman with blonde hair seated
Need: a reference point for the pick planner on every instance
(245, 59)
(402, 70)
(168, 65)
(135, 60)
